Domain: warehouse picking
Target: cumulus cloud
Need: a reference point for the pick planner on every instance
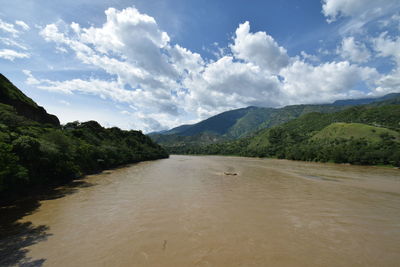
(354, 51)
(259, 48)
(226, 84)
(12, 54)
(306, 56)
(326, 82)
(166, 84)
(129, 44)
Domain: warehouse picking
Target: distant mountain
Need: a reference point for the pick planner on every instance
(364, 101)
(11, 95)
(177, 130)
(242, 122)
(367, 134)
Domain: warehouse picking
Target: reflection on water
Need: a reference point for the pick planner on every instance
(189, 211)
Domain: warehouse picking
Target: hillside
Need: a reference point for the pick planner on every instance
(24, 106)
(239, 123)
(348, 131)
(35, 151)
(367, 134)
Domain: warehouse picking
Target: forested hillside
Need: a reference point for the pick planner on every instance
(239, 123)
(36, 151)
(360, 135)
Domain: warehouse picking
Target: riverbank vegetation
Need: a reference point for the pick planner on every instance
(37, 151)
(358, 135)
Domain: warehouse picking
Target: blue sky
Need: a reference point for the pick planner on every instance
(153, 65)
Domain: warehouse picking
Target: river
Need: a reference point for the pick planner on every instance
(193, 211)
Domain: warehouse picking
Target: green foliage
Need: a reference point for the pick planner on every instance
(245, 122)
(37, 154)
(357, 135)
(12, 174)
(34, 154)
(354, 131)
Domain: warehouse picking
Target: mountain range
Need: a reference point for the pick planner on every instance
(239, 123)
(363, 134)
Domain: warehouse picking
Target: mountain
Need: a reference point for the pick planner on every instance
(35, 151)
(24, 106)
(364, 101)
(368, 134)
(243, 122)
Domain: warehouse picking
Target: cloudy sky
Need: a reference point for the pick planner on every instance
(153, 65)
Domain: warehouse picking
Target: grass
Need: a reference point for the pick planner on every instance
(355, 131)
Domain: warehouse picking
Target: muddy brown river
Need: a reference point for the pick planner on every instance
(194, 211)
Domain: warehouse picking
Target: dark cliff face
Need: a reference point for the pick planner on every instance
(11, 95)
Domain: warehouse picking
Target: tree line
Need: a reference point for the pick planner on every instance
(34, 154)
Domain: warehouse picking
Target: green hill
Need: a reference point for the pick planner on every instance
(239, 123)
(24, 106)
(350, 131)
(35, 151)
(367, 134)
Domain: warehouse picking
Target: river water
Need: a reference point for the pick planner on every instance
(186, 211)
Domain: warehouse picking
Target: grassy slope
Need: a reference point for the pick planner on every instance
(353, 131)
(380, 116)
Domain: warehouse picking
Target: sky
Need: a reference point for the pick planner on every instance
(154, 65)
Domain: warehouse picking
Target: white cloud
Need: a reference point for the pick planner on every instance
(354, 51)
(11, 42)
(388, 47)
(30, 80)
(394, 20)
(171, 85)
(128, 45)
(10, 38)
(358, 13)
(185, 60)
(389, 83)
(259, 48)
(153, 104)
(22, 24)
(226, 84)
(327, 82)
(12, 54)
(364, 9)
(312, 58)
(8, 27)
(134, 36)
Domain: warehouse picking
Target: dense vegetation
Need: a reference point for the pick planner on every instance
(358, 135)
(33, 153)
(239, 123)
